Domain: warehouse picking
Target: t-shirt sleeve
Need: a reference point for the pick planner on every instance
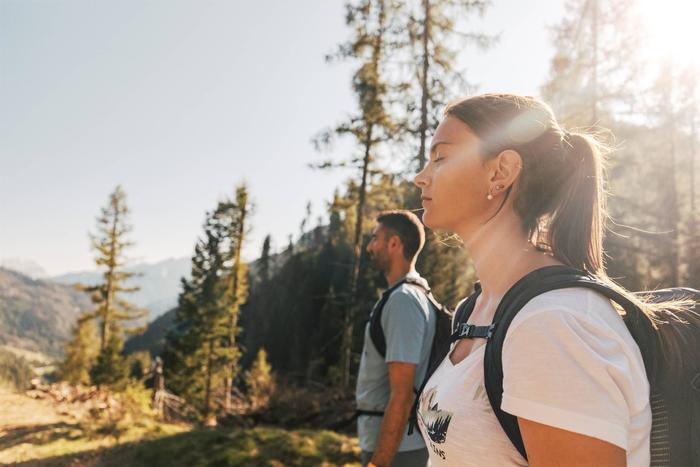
(404, 323)
(567, 370)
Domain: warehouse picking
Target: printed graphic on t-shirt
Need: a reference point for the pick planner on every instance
(435, 421)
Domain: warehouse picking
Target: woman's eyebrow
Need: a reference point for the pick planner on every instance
(434, 146)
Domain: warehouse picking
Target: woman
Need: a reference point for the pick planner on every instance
(524, 194)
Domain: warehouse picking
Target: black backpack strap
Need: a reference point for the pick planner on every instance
(533, 284)
(376, 333)
(463, 311)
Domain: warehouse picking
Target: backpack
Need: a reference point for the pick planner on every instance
(674, 393)
(443, 328)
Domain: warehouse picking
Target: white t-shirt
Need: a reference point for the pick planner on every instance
(568, 362)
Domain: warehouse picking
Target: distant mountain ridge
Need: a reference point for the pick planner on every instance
(159, 283)
(37, 314)
(25, 266)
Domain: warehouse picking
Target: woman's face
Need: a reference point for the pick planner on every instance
(455, 181)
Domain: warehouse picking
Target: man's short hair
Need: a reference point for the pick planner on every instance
(407, 227)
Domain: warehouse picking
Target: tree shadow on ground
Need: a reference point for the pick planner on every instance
(222, 447)
(38, 434)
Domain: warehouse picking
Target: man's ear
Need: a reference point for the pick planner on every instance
(395, 244)
(505, 168)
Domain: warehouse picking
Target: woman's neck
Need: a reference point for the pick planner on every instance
(502, 254)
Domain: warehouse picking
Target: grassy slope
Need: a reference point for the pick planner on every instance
(32, 433)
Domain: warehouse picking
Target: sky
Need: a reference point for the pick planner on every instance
(180, 100)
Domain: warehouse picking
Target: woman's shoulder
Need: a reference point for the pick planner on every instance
(572, 308)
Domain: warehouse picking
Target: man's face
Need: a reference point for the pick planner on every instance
(378, 249)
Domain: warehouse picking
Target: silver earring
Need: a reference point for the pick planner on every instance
(489, 197)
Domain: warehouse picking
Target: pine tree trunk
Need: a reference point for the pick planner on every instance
(207, 391)
(107, 318)
(425, 91)
(235, 308)
(368, 143)
(349, 318)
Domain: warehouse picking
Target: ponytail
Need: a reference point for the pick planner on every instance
(576, 226)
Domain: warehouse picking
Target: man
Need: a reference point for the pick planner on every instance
(386, 385)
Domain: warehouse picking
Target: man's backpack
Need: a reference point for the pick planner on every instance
(443, 322)
(443, 329)
(674, 384)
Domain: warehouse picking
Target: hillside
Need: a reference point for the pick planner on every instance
(37, 315)
(153, 338)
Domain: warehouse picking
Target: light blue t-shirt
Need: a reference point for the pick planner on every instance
(409, 327)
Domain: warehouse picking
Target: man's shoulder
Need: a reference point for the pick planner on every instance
(411, 290)
(408, 296)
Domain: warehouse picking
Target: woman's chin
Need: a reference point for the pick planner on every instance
(428, 219)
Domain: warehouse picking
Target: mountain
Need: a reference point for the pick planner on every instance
(159, 283)
(36, 314)
(25, 266)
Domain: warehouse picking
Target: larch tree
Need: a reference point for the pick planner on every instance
(369, 127)
(111, 310)
(234, 217)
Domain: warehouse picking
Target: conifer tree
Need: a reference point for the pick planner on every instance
(111, 368)
(433, 44)
(369, 127)
(595, 71)
(264, 262)
(233, 216)
(110, 242)
(260, 380)
(196, 351)
(80, 352)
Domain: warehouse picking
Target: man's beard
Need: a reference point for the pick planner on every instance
(377, 263)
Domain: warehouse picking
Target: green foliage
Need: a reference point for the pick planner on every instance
(139, 364)
(15, 371)
(202, 350)
(111, 368)
(260, 381)
(80, 352)
(110, 243)
(298, 313)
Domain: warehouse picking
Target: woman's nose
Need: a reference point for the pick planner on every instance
(420, 180)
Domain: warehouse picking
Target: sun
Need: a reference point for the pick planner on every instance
(674, 30)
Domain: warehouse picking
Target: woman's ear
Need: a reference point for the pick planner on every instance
(506, 168)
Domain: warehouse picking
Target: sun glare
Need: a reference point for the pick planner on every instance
(674, 28)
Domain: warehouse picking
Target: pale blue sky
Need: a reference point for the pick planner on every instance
(180, 100)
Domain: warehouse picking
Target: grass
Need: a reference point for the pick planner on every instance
(260, 446)
(33, 434)
(33, 429)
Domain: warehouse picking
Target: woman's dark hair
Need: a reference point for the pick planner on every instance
(406, 226)
(560, 197)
